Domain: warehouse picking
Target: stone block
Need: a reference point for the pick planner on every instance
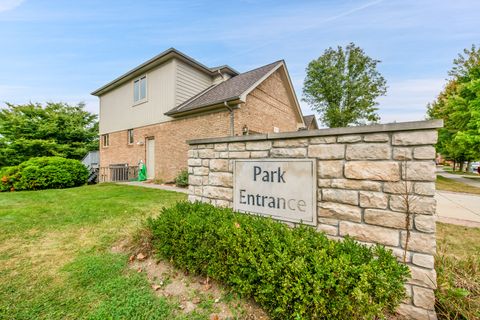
(419, 171)
(340, 196)
(423, 260)
(206, 153)
(386, 218)
(349, 138)
(192, 153)
(330, 221)
(218, 193)
(223, 179)
(220, 147)
(223, 155)
(410, 138)
(339, 211)
(290, 143)
(424, 153)
(259, 145)
(192, 198)
(330, 169)
(400, 187)
(425, 223)
(373, 170)
(368, 151)
(239, 154)
(194, 162)
(236, 146)
(219, 165)
(426, 278)
(288, 152)
(324, 183)
(259, 154)
(328, 229)
(423, 297)
(425, 188)
(369, 233)
(205, 162)
(415, 313)
(194, 180)
(373, 200)
(419, 242)
(200, 171)
(356, 184)
(402, 154)
(376, 137)
(326, 151)
(318, 140)
(417, 204)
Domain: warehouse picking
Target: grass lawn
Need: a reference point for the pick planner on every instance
(458, 272)
(455, 186)
(56, 260)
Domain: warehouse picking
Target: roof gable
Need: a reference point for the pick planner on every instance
(232, 89)
(158, 60)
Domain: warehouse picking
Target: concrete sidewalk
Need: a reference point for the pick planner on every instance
(475, 182)
(458, 208)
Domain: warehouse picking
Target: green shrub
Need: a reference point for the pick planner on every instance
(182, 179)
(44, 173)
(292, 273)
(8, 176)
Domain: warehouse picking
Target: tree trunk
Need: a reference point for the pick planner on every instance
(454, 165)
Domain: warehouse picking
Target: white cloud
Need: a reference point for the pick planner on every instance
(7, 5)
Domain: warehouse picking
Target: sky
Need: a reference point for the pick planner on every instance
(63, 50)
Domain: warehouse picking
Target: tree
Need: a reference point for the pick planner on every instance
(459, 107)
(56, 129)
(342, 86)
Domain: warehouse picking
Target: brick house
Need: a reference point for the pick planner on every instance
(150, 112)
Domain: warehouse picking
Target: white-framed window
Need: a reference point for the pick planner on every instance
(140, 89)
(130, 136)
(105, 140)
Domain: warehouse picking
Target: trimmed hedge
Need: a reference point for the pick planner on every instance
(43, 173)
(293, 273)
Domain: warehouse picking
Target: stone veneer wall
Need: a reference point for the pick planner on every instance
(362, 174)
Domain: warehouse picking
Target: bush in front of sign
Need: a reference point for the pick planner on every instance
(293, 273)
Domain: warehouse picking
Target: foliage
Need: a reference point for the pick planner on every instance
(182, 179)
(44, 173)
(342, 86)
(292, 273)
(459, 107)
(458, 272)
(56, 129)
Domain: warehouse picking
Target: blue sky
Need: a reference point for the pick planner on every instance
(63, 50)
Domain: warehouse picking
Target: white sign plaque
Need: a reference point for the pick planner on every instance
(282, 189)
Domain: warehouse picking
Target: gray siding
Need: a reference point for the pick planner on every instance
(189, 82)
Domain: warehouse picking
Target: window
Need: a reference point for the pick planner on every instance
(130, 136)
(140, 89)
(105, 140)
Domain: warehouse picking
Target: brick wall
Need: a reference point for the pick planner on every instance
(364, 175)
(269, 105)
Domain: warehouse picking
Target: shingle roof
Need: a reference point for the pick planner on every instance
(228, 90)
(308, 120)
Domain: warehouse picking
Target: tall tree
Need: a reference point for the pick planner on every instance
(342, 85)
(56, 129)
(459, 106)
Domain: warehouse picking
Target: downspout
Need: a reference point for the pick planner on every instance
(232, 120)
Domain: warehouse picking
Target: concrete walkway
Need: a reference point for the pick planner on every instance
(154, 186)
(471, 182)
(458, 208)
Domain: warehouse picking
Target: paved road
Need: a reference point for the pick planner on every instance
(458, 208)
